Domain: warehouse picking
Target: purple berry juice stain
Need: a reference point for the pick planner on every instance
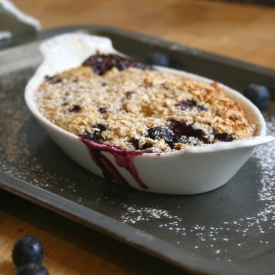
(123, 159)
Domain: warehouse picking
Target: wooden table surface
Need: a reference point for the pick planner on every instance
(239, 31)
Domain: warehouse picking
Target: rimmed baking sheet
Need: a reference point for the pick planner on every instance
(226, 231)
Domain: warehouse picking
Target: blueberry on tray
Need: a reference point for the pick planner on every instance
(258, 94)
(32, 269)
(159, 59)
(27, 250)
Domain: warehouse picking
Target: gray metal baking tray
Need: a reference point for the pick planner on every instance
(226, 231)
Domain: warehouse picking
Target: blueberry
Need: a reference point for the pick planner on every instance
(102, 109)
(100, 127)
(258, 94)
(161, 132)
(27, 250)
(135, 143)
(188, 104)
(32, 269)
(101, 63)
(96, 136)
(183, 129)
(129, 94)
(202, 108)
(223, 137)
(52, 79)
(75, 109)
(159, 59)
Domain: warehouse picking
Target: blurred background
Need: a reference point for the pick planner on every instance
(243, 29)
(253, 2)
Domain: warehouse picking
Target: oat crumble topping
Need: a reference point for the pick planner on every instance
(140, 109)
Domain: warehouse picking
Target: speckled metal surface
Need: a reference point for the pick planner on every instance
(226, 231)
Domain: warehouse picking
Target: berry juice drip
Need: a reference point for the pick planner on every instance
(123, 159)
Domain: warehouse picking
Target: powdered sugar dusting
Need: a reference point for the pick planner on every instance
(16, 158)
(225, 234)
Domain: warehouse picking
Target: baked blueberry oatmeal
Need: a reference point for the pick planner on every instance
(125, 104)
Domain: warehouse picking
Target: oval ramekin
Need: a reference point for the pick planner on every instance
(190, 171)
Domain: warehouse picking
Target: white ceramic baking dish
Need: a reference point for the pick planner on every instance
(190, 171)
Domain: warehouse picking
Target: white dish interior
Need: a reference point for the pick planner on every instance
(190, 171)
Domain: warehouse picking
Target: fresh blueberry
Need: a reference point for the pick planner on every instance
(258, 94)
(161, 132)
(32, 269)
(27, 250)
(159, 59)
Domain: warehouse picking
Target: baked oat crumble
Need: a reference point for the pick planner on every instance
(138, 109)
